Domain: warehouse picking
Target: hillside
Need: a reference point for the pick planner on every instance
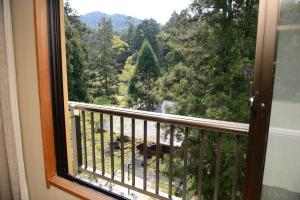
(119, 21)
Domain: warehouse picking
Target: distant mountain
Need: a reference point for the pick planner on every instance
(119, 22)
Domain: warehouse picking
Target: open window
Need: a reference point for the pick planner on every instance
(139, 91)
(156, 110)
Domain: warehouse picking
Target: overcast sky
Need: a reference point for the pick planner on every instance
(160, 10)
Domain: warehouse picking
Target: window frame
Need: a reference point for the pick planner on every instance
(51, 67)
(51, 74)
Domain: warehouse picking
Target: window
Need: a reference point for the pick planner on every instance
(63, 162)
(130, 153)
(121, 68)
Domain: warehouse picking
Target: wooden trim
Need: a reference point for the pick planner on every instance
(65, 87)
(44, 87)
(263, 89)
(56, 74)
(76, 189)
(46, 115)
(288, 27)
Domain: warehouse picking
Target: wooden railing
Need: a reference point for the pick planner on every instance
(79, 112)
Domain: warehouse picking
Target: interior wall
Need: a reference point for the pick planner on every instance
(26, 69)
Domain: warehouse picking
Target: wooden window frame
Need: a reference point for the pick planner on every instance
(47, 23)
(266, 39)
(266, 46)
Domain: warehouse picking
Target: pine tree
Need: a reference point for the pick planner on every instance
(131, 37)
(76, 50)
(142, 82)
(147, 30)
(105, 63)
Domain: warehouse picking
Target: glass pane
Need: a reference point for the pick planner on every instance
(282, 168)
(289, 13)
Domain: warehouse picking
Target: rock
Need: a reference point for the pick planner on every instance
(126, 139)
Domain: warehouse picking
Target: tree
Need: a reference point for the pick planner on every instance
(171, 23)
(182, 82)
(147, 30)
(120, 49)
(217, 41)
(76, 50)
(131, 37)
(141, 84)
(105, 63)
(123, 97)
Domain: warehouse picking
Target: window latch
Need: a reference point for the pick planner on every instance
(252, 97)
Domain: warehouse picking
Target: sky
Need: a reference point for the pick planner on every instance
(160, 10)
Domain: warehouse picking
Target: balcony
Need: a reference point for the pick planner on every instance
(126, 148)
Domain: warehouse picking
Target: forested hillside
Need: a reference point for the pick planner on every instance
(119, 22)
(201, 59)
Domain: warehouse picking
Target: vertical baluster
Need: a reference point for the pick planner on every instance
(235, 168)
(112, 146)
(145, 156)
(218, 165)
(186, 133)
(133, 150)
(74, 136)
(102, 144)
(201, 157)
(84, 139)
(171, 161)
(93, 142)
(122, 148)
(157, 157)
(78, 137)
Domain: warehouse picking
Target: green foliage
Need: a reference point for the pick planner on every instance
(103, 100)
(215, 45)
(124, 78)
(105, 63)
(147, 30)
(76, 51)
(146, 72)
(120, 49)
(130, 38)
(180, 83)
(210, 60)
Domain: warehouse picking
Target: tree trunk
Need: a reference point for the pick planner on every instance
(148, 98)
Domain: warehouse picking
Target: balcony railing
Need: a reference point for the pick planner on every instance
(107, 121)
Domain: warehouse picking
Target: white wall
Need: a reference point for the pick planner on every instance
(24, 39)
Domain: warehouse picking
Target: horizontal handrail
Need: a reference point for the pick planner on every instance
(201, 123)
(79, 139)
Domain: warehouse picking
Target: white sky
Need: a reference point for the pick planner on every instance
(160, 10)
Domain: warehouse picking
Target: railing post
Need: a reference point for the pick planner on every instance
(76, 140)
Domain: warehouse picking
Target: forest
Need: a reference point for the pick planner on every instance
(201, 59)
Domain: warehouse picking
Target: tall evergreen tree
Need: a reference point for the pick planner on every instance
(147, 30)
(131, 37)
(142, 82)
(105, 63)
(76, 50)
